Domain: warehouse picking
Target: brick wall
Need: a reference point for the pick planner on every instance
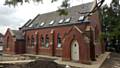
(9, 47)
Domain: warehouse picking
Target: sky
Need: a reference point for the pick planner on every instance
(14, 17)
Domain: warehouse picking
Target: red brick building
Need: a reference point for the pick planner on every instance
(14, 42)
(74, 37)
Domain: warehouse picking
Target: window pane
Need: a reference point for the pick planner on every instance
(47, 41)
(61, 21)
(51, 22)
(42, 40)
(32, 41)
(42, 24)
(28, 41)
(58, 41)
(67, 20)
(81, 18)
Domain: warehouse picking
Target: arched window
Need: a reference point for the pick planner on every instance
(32, 40)
(42, 41)
(7, 42)
(47, 41)
(58, 40)
(37, 39)
(28, 41)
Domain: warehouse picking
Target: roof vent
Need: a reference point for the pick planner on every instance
(68, 20)
(51, 22)
(61, 21)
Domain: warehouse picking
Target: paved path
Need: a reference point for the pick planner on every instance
(95, 64)
(112, 62)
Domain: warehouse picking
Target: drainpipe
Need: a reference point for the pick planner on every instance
(92, 46)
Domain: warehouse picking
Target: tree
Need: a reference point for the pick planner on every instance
(15, 2)
(111, 22)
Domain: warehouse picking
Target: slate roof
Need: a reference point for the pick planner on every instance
(17, 34)
(27, 23)
(73, 13)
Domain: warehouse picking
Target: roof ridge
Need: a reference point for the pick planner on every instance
(67, 8)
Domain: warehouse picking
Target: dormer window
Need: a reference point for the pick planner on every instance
(67, 20)
(81, 18)
(61, 21)
(51, 22)
(42, 24)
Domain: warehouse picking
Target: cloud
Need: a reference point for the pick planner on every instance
(8, 18)
(5, 10)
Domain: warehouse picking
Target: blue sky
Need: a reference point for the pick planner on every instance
(15, 17)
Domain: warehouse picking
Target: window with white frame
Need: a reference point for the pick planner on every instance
(58, 40)
(32, 41)
(7, 45)
(28, 41)
(47, 41)
(42, 41)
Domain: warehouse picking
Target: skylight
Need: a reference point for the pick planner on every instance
(61, 21)
(81, 18)
(30, 25)
(35, 24)
(67, 20)
(42, 24)
(51, 22)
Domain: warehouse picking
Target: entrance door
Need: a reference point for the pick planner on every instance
(75, 51)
